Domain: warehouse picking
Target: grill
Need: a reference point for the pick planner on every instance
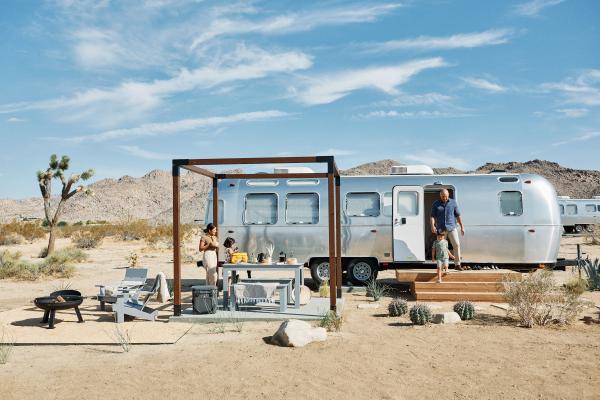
(50, 305)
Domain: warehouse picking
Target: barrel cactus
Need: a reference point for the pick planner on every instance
(465, 310)
(397, 308)
(420, 314)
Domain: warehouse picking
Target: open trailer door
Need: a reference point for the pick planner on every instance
(408, 224)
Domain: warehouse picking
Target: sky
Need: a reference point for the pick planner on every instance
(125, 86)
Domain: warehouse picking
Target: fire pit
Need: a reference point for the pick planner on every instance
(51, 303)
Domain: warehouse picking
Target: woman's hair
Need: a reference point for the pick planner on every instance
(209, 228)
(229, 242)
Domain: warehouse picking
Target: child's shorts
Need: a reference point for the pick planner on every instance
(442, 263)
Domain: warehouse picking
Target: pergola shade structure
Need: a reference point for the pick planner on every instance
(334, 208)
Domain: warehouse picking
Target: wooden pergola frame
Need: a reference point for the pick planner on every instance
(334, 208)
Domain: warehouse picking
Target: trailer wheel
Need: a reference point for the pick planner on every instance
(319, 270)
(589, 228)
(362, 270)
(578, 228)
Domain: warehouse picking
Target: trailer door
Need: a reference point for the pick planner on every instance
(408, 224)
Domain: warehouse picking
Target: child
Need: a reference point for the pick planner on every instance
(229, 250)
(441, 255)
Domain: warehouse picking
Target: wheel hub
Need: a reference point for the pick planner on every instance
(323, 270)
(362, 271)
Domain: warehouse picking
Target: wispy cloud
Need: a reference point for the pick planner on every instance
(424, 114)
(458, 41)
(294, 22)
(581, 138)
(15, 119)
(133, 99)
(336, 152)
(435, 158)
(484, 84)
(534, 7)
(583, 89)
(169, 128)
(136, 151)
(331, 87)
(573, 112)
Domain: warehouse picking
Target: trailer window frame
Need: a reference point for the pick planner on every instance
(363, 215)
(303, 223)
(245, 214)
(570, 207)
(562, 209)
(209, 208)
(516, 213)
(587, 208)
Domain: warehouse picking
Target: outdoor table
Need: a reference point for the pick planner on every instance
(298, 270)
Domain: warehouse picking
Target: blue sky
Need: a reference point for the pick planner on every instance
(125, 86)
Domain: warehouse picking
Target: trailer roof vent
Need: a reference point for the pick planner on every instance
(564, 197)
(411, 170)
(596, 197)
(293, 170)
(508, 179)
(498, 171)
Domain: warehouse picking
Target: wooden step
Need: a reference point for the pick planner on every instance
(496, 297)
(446, 286)
(455, 276)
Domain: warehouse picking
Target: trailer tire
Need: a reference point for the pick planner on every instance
(589, 228)
(362, 270)
(319, 270)
(578, 228)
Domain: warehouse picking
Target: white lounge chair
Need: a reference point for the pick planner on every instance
(130, 303)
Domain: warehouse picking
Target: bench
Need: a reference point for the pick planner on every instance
(282, 289)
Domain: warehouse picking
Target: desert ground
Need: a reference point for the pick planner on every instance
(372, 357)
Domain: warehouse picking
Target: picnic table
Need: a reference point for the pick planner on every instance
(298, 270)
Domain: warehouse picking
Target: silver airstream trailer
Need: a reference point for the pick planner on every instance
(510, 219)
(579, 215)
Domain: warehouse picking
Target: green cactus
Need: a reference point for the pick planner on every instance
(420, 314)
(397, 308)
(465, 310)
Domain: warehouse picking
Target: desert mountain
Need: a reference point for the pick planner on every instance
(150, 196)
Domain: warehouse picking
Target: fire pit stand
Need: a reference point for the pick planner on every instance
(50, 304)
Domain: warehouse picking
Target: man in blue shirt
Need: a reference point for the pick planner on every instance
(445, 217)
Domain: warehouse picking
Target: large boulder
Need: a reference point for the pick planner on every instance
(446, 318)
(295, 333)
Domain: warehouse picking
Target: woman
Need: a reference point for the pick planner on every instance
(209, 244)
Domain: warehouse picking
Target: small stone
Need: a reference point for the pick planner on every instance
(296, 333)
(368, 306)
(446, 318)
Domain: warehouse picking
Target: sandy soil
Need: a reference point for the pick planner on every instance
(373, 357)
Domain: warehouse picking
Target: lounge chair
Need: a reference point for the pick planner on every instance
(135, 278)
(130, 303)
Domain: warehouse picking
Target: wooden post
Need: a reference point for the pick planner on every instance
(332, 251)
(215, 201)
(338, 235)
(176, 243)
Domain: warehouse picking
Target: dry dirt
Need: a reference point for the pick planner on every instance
(373, 357)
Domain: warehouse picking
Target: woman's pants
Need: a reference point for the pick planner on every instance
(209, 261)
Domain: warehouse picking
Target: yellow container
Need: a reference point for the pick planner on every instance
(239, 257)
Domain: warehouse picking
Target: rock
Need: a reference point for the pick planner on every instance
(295, 333)
(368, 306)
(446, 318)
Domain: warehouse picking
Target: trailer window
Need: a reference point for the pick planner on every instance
(511, 203)
(571, 209)
(362, 204)
(302, 208)
(598, 208)
(562, 209)
(208, 215)
(261, 209)
(590, 208)
(408, 204)
(387, 204)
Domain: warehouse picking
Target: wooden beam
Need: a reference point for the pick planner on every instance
(199, 170)
(338, 235)
(272, 176)
(259, 160)
(176, 244)
(216, 210)
(332, 242)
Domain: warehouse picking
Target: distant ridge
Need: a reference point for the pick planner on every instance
(149, 197)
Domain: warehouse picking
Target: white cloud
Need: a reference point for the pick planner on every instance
(484, 84)
(293, 22)
(534, 7)
(329, 88)
(95, 48)
(411, 114)
(132, 99)
(15, 119)
(462, 40)
(169, 128)
(336, 152)
(581, 138)
(141, 153)
(404, 100)
(573, 112)
(583, 89)
(435, 158)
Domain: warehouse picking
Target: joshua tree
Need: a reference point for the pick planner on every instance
(56, 169)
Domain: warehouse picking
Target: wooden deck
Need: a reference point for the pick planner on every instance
(457, 285)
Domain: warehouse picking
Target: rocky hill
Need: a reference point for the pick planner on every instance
(150, 196)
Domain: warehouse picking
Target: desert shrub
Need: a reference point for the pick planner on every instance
(60, 224)
(10, 239)
(12, 266)
(78, 223)
(397, 307)
(28, 230)
(60, 263)
(376, 290)
(87, 239)
(538, 300)
(420, 314)
(592, 271)
(133, 230)
(6, 346)
(576, 286)
(465, 310)
(132, 259)
(331, 321)
(163, 233)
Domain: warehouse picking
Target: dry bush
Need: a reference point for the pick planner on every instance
(538, 300)
(593, 238)
(28, 230)
(87, 239)
(10, 239)
(60, 263)
(132, 230)
(331, 321)
(12, 266)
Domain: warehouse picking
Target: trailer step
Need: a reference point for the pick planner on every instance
(496, 297)
(456, 276)
(445, 286)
